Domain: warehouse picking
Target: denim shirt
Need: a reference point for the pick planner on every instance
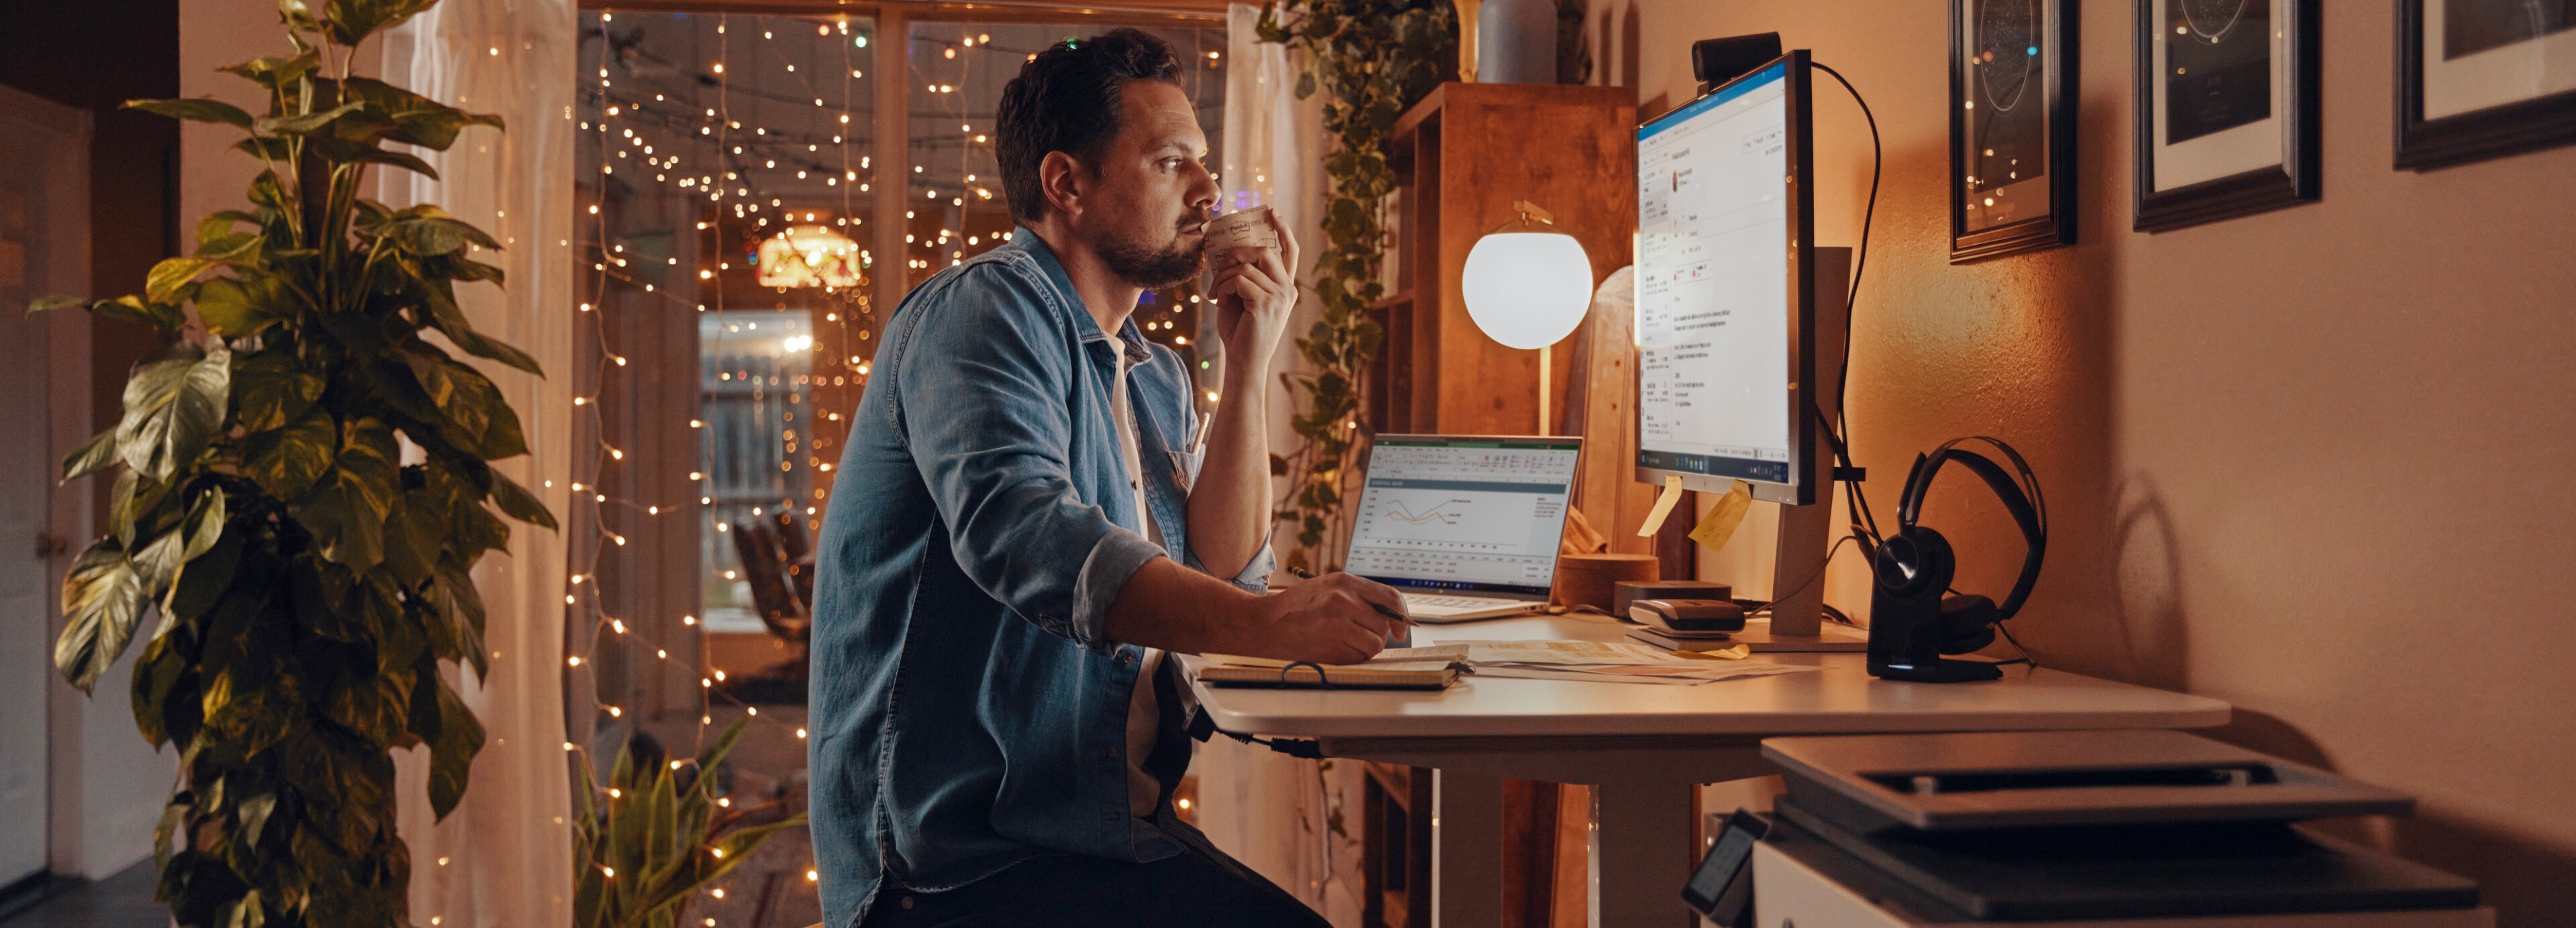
(968, 709)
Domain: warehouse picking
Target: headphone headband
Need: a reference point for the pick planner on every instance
(2029, 510)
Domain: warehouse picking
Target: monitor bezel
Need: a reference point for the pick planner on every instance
(1366, 463)
(1805, 458)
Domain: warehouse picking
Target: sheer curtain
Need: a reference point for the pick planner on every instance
(504, 856)
(1277, 813)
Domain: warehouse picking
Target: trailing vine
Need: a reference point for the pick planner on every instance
(1372, 58)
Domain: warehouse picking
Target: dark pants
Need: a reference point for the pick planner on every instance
(1200, 887)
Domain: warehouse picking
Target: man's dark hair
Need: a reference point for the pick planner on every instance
(1067, 100)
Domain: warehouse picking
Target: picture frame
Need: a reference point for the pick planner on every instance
(2481, 79)
(2241, 135)
(2013, 88)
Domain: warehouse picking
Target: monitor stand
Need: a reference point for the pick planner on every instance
(1796, 624)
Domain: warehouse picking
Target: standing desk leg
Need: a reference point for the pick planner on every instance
(1466, 850)
(1641, 854)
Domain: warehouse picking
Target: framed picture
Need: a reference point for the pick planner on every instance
(2227, 109)
(2012, 126)
(2477, 79)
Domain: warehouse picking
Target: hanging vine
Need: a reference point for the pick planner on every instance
(1372, 58)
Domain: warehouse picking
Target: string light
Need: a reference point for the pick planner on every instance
(741, 134)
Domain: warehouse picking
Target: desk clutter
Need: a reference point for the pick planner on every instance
(1441, 666)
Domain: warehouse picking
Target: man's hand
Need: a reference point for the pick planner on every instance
(1256, 289)
(1332, 619)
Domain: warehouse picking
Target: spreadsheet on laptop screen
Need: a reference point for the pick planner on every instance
(1463, 514)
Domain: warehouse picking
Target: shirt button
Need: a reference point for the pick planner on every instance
(907, 902)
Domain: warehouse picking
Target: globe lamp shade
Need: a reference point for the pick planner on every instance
(1527, 289)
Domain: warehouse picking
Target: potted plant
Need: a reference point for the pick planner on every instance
(301, 493)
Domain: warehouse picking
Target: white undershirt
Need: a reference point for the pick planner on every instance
(1144, 710)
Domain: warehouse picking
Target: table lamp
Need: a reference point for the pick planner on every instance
(1527, 286)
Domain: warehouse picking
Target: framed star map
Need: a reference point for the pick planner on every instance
(2012, 127)
(2479, 79)
(2227, 103)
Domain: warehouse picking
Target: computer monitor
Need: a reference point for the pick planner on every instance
(1466, 514)
(1726, 289)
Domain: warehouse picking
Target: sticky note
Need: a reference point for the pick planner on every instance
(1663, 506)
(1719, 524)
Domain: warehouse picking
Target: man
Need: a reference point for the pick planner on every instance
(1024, 528)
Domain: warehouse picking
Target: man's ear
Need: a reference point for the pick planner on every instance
(1060, 178)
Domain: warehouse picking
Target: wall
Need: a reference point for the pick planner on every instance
(106, 781)
(2311, 462)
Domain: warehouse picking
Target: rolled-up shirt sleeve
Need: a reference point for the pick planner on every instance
(995, 456)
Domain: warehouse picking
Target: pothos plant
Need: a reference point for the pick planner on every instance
(1372, 58)
(301, 491)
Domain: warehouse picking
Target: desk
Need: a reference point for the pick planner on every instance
(1644, 748)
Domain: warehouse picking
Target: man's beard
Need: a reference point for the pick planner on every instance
(1148, 267)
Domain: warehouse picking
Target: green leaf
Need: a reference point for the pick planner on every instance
(287, 462)
(349, 22)
(397, 159)
(308, 123)
(451, 754)
(102, 600)
(172, 410)
(91, 457)
(460, 605)
(413, 532)
(447, 318)
(234, 307)
(275, 72)
(271, 389)
(162, 285)
(203, 581)
(205, 525)
(160, 316)
(346, 513)
(518, 503)
(477, 417)
(58, 301)
(198, 109)
(417, 120)
(157, 562)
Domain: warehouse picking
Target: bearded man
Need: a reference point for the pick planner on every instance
(1026, 527)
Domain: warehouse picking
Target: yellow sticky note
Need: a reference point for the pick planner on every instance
(1663, 506)
(1719, 524)
(1736, 653)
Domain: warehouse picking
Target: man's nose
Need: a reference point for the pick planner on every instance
(1203, 189)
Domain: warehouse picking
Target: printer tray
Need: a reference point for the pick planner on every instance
(2140, 870)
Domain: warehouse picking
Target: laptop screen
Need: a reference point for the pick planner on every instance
(1469, 514)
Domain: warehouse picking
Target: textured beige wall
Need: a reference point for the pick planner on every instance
(2314, 462)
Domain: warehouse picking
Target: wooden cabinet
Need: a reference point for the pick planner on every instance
(1461, 157)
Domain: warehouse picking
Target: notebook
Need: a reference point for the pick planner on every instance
(1403, 672)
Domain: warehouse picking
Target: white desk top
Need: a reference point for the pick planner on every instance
(1840, 699)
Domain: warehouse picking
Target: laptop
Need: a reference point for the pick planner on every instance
(1466, 527)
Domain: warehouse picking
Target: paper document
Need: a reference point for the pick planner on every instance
(1686, 675)
(1608, 662)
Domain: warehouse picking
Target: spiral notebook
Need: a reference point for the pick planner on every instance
(1396, 669)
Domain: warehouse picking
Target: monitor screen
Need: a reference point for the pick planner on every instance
(1717, 318)
(1468, 514)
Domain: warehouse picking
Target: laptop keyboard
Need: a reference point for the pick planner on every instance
(1454, 602)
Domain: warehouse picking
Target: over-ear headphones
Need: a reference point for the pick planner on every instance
(1913, 619)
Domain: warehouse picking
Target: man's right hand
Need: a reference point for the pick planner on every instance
(1332, 619)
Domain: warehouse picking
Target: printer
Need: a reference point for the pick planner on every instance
(2115, 829)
